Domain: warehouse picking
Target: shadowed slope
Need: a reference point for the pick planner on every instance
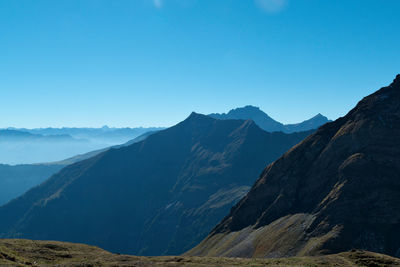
(16, 180)
(337, 190)
(161, 195)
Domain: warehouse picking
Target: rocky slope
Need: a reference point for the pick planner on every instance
(338, 189)
(159, 196)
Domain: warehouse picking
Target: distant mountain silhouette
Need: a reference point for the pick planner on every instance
(313, 123)
(17, 179)
(91, 154)
(337, 190)
(7, 135)
(158, 196)
(19, 147)
(31, 146)
(253, 113)
(105, 134)
(267, 123)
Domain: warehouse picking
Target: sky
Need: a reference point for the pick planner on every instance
(130, 63)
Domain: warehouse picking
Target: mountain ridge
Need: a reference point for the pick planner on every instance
(336, 190)
(265, 122)
(203, 168)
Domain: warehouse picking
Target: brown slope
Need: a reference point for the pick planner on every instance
(19, 252)
(338, 189)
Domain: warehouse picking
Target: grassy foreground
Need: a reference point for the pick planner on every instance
(19, 252)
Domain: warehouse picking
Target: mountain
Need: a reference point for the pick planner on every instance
(17, 252)
(267, 123)
(159, 196)
(337, 190)
(17, 179)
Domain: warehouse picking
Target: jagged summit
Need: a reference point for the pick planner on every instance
(379, 105)
(248, 107)
(268, 124)
(396, 82)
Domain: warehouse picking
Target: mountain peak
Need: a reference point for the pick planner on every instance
(396, 81)
(197, 116)
(246, 108)
(253, 113)
(195, 120)
(321, 117)
(267, 123)
(385, 100)
(194, 114)
(250, 107)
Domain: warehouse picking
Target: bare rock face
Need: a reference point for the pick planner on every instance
(338, 189)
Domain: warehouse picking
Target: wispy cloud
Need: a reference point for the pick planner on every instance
(271, 6)
(158, 3)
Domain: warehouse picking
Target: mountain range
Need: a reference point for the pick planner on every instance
(333, 190)
(19, 147)
(161, 195)
(337, 190)
(268, 124)
(33, 146)
(17, 179)
(104, 135)
(7, 135)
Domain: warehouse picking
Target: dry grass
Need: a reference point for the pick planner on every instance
(18, 252)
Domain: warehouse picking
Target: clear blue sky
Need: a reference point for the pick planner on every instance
(152, 62)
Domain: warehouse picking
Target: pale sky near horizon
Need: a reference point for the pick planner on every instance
(130, 63)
